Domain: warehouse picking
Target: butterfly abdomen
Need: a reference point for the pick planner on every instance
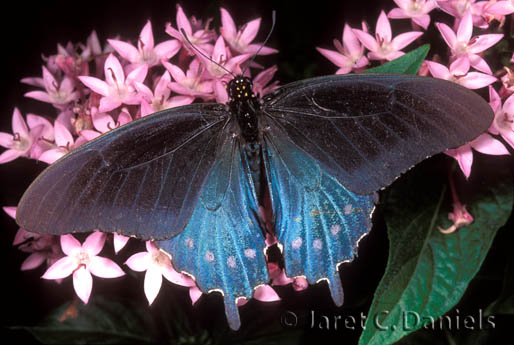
(253, 155)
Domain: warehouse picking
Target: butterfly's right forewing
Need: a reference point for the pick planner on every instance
(142, 179)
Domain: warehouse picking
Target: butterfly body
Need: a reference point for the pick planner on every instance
(192, 178)
(245, 107)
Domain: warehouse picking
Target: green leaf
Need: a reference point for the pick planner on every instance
(406, 64)
(427, 271)
(101, 321)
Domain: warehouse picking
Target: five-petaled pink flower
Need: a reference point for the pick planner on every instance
(462, 44)
(190, 83)
(416, 10)
(82, 261)
(349, 55)
(200, 38)
(459, 73)
(157, 264)
(485, 143)
(503, 123)
(20, 143)
(160, 99)
(146, 52)
(383, 46)
(64, 143)
(116, 90)
(59, 94)
(459, 8)
(240, 40)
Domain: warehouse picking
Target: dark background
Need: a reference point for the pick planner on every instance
(30, 30)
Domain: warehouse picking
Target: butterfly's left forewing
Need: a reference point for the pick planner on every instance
(222, 246)
(142, 179)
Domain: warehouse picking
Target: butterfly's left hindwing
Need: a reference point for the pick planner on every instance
(222, 246)
(318, 221)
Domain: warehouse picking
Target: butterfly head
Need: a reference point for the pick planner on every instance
(240, 88)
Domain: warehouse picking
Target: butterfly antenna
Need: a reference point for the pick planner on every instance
(203, 54)
(273, 20)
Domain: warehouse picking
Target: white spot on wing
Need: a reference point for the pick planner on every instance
(250, 253)
(231, 261)
(297, 243)
(209, 256)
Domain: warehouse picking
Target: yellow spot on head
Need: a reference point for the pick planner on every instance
(244, 87)
(239, 96)
(246, 94)
(238, 89)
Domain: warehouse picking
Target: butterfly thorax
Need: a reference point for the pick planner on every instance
(244, 106)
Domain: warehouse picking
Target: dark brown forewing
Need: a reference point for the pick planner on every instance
(142, 179)
(367, 129)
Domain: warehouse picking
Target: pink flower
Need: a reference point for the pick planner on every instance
(459, 8)
(41, 247)
(200, 38)
(349, 55)
(119, 242)
(485, 143)
(104, 122)
(503, 123)
(116, 90)
(146, 53)
(416, 10)
(459, 73)
(64, 141)
(45, 138)
(462, 44)
(500, 7)
(263, 293)
(221, 57)
(278, 275)
(507, 83)
(82, 261)
(384, 46)
(460, 218)
(152, 102)
(20, 143)
(190, 83)
(59, 94)
(262, 79)
(156, 263)
(240, 41)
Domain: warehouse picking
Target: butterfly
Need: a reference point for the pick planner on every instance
(192, 178)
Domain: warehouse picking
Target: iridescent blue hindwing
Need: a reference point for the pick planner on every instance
(318, 221)
(222, 246)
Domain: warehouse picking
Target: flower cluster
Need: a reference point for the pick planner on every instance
(465, 53)
(95, 89)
